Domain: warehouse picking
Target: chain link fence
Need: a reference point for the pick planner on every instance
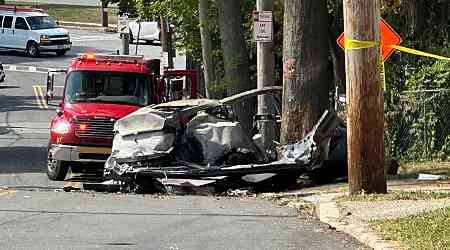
(417, 125)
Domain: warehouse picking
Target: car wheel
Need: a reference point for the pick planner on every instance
(56, 170)
(33, 49)
(61, 52)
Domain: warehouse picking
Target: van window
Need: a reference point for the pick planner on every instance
(7, 23)
(21, 24)
(1, 21)
(42, 22)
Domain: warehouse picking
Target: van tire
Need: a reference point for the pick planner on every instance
(33, 49)
(61, 52)
(56, 170)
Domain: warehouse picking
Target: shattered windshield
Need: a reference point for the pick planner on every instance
(42, 22)
(111, 87)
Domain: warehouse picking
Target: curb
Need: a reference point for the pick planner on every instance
(329, 212)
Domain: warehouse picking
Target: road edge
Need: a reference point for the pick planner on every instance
(329, 212)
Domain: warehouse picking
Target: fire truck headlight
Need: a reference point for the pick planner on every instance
(61, 127)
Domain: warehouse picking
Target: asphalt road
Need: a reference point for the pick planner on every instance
(36, 214)
(55, 220)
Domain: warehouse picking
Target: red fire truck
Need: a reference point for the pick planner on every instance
(99, 90)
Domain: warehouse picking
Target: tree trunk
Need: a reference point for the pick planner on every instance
(365, 114)
(235, 57)
(305, 67)
(205, 35)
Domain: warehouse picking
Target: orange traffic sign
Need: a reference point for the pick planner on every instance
(388, 36)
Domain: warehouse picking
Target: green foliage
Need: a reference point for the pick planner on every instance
(183, 14)
(418, 125)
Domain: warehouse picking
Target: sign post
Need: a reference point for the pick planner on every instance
(263, 30)
(388, 37)
(122, 28)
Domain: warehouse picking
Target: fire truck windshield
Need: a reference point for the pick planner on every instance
(109, 87)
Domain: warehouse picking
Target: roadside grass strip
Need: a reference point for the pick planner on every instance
(5, 192)
(40, 97)
(396, 195)
(429, 230)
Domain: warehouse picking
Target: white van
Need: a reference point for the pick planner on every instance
(149, 31)
(31, 30)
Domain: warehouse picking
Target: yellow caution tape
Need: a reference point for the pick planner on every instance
(356, 44)
(419, 53)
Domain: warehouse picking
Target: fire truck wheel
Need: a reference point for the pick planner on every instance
(56, 170)
(32, 49)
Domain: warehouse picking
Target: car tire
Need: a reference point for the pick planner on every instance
(61, 52)
(56, 170)
(33, 49)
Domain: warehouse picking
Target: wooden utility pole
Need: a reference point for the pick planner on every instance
(205, 35)
(365, 114)
(166, 40)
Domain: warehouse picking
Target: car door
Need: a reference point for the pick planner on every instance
(21, 31)
(8, 32)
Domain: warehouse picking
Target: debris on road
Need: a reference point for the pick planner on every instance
(199, 143)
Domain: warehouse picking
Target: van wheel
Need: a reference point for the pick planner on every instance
(61, 52)
(33, 49)
(56, 170)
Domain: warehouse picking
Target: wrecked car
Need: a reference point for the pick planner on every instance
(200, 142)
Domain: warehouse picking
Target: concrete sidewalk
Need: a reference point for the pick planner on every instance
(353, 217)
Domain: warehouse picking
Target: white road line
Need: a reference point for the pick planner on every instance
(30, 69)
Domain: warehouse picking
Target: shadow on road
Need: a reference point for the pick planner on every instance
(8, 87)
(18, 103)
(15, 160)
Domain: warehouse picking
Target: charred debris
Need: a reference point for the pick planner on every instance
(188, 144)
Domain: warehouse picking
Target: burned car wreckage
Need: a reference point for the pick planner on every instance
(199, 142)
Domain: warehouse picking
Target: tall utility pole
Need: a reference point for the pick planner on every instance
(265, 77)
(205, 35)
(365, 114)
(104, 10)
(166, 40)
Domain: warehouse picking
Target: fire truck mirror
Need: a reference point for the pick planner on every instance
(50, 85)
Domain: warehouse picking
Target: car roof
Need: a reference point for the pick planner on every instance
(22, 14)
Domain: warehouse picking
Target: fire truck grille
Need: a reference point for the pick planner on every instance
(94, 127)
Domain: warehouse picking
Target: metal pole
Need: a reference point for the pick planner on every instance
(137, 39)
(265, 77)
(125, 43)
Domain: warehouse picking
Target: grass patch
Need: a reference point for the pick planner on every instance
(419, 232)
(73, 13)
(395, 195)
